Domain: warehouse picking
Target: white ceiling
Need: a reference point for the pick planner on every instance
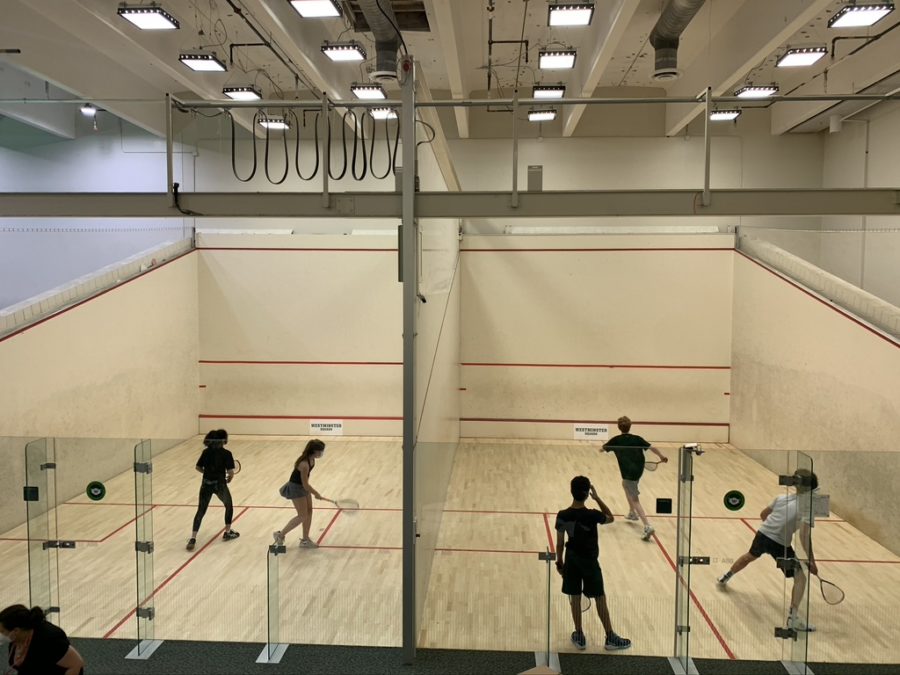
(83, 47)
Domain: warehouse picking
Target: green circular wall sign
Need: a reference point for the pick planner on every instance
(96, 490)
(734, 500)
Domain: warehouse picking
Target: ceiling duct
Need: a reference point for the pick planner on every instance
(675, 17)
(382, 22)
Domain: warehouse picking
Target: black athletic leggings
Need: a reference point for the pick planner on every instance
(207, 490)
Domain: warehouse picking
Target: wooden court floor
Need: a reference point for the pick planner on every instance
(488, 590)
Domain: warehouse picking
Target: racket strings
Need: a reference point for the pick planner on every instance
(830, 592)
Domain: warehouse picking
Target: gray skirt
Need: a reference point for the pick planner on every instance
(292, 491)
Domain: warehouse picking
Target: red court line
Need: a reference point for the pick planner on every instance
(815, 297)
(334, 518)
(592, 365)
(299, 363)
(752, 529)
(292, 417)
(94, 297)
(312, 250)
(546, 421)
(486, 550)
(585, 250)
(865, 562)
(91, 541)
(117, 530)
(173, 575)
(549, 535)
(709, 621)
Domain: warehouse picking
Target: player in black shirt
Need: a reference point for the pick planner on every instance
(35, 646)
(578, 560)
(217, 466)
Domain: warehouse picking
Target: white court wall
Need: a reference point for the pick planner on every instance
(120, 365)
(294, 328)
(808, 377)
(559, 330)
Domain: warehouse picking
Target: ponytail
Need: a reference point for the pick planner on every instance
(19, 616)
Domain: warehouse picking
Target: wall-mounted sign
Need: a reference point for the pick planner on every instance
(326, 427)
(587, 431)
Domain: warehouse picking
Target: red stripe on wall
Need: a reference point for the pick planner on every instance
(815, 297)
(292, 417)
(312, 250)
(583, 421)
(300, 363)
(590, 365)
(585, 250)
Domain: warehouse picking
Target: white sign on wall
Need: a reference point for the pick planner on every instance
(326, 427)
(587, 431)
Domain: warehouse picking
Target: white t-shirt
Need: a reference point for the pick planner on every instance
(787, 513)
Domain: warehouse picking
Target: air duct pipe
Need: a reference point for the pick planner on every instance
(675, 17)
(382, 21)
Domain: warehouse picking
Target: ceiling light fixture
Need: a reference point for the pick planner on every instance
(316, 9)
(248, 93)
(344, 51)
(856, 16)
(274, 122)
(724, 115)
(149, 18)
(556, 60)
(548, 91)
(801, 56)
(571, 14)
(202, 61)
(88, 110)
(368, 92)
(546, 115)
(757, 91)
(383, 113)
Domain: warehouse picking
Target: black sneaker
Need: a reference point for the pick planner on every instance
(231, 534)
(579, 640)
(614, 642)
(191, 543)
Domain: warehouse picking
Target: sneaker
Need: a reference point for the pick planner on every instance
(308, 543)
(632, 516)
(648, 532)
(579, 640)
(231, 534)
(191, 544)
(799, 625)
(724, 579)
(615, 642)
(279, 538)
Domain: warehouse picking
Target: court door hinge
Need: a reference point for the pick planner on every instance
(143, 546)
(277, 549)
(785, 633)
(31, 493)
(58, 543)
(549, 556)
(143, 467)
(51, 610)
(789, 480)
(48, 465)
(146, 613)
(682, 629)
(693, 560)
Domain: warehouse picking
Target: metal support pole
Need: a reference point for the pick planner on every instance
(515, 169)
(708, 142)
(326, 198)
(409, 265)
(170, 170)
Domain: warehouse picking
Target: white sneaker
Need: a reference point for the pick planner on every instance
(648, 532)
(279, 538)
(308, 543)
(632, 516)
(724, 579)
(799, 625)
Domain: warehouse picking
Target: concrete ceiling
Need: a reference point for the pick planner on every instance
(83, 47)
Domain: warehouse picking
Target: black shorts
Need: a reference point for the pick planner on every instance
(582, 575)
(762, 544)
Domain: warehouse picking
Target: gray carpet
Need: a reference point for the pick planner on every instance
(214, 658)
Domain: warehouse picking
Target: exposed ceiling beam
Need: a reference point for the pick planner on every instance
(439, 145)
(746, 40)
(443, 20)
(55, 119)
(609, 25)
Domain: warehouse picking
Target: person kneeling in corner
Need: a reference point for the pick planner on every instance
(578, 560)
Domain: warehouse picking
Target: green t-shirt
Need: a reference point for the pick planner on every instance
(629, 450)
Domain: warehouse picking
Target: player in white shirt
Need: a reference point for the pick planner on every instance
(781, 519)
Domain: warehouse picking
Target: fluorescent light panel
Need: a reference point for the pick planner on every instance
(149, 18)
(542, 115)
(724, 115)
(757, 91)
(556, 60)
(344, 51)
(88, 110)
(274, 122)
(856, 16)
(316, 9)
(801, 56)
(548, 91)
(383, 113)
(368, 91)
(571, 14)
(242, 93)
(202, 61)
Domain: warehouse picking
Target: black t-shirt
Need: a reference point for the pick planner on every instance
(580, 526)
(215, 461)
(629, 450)
(48, 645)
(297, 478)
